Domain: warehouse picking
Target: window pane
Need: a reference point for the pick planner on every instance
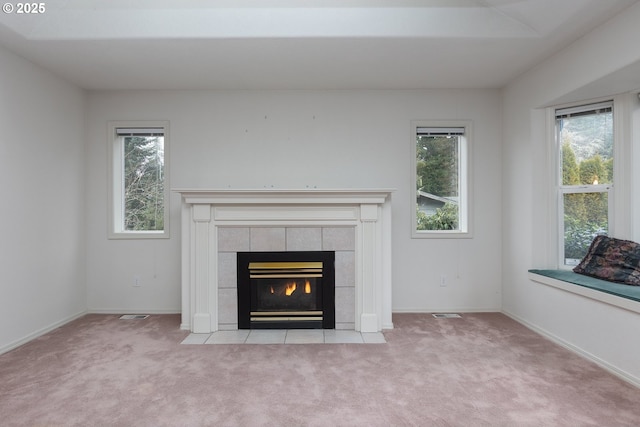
(585, 216)
(586, 142)
(437, 182)
(144, 183)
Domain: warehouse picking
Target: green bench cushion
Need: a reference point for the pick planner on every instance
(624, 291)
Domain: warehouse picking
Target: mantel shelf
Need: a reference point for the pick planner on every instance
(311, 196)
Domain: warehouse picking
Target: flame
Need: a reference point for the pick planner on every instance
(272, 291)
(291, 288)
(307, 287)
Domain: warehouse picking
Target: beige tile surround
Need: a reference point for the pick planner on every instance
(254, 239)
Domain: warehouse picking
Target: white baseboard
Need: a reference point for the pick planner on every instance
(128, 311)
(40, 332)
(448, 310)
(575, 349)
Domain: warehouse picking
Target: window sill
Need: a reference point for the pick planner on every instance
(623, 296)
(445, 234)
(133, 235)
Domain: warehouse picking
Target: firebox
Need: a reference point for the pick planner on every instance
(286, 290)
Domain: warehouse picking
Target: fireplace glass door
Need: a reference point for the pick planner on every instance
(297, 293)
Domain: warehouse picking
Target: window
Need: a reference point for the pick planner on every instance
(138, 180)
(441, 153)
(585, 144)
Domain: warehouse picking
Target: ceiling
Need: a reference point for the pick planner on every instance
(298, 44)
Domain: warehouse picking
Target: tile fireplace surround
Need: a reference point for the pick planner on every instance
(217, 223)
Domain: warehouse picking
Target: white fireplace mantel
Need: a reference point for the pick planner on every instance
(204, 211)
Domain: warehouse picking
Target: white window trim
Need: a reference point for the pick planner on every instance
(115, 167)
(465, 206)
(620, 217)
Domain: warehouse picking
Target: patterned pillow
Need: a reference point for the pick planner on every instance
(612, 259)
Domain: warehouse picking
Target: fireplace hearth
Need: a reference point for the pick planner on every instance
(286, 290)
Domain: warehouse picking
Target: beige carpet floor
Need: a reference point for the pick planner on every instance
(478, 370)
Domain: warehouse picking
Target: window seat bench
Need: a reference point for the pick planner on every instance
(624, 296)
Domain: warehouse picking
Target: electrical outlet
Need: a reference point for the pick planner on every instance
(443, 280)
(136, 281)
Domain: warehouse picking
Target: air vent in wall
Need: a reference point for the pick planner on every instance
(446, 315)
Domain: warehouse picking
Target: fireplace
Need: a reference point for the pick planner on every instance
(286, 290)
(218, 223)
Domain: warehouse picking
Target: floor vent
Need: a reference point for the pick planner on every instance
(446, 315)
(134, 316)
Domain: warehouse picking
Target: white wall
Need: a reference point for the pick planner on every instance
(294, 139)
(42, 249)
(588, 68)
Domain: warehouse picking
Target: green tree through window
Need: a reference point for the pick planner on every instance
(144, 183)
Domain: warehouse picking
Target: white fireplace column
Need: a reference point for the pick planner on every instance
(204, 248)
(204, 211)
(370, 275)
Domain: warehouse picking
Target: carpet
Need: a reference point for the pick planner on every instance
(479, 370)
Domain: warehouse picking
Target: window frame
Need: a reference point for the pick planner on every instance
(465, 190)
(581, 189)
(618, 209)
(115, 170)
